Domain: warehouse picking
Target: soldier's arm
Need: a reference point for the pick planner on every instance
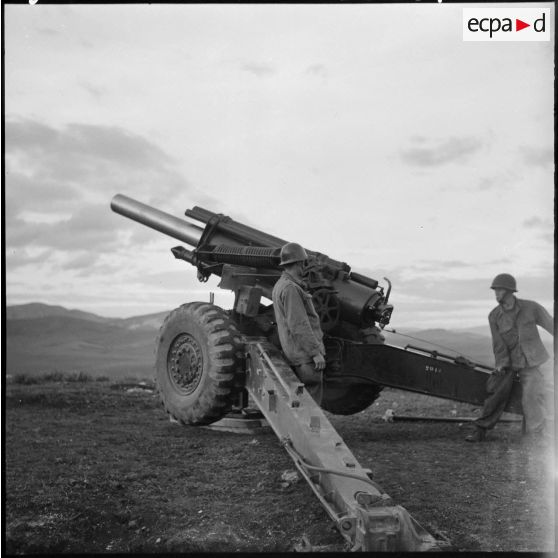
(501, 353)
(544, 319)
(298, 322)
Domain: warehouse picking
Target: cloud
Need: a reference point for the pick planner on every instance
(432, 152)
(90, 228)
(499, 261)
(455, 280)
(31, 193)
(455, 290)
(536, 223)
(501, 180)
(544, 228)
(424, 269)
(174, 280)
(317, 70)
(48, 31)
(16, 257)
(489, 183)
(259, 70)
(96, 92)
(75, 147)
(537, 157)
(433, 265)
(59, 183)
(80, 261)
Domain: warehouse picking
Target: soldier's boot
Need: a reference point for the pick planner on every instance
(479, 435)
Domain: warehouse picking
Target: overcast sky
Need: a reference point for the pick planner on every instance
(371, 133)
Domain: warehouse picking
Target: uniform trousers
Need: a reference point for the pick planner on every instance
(499, 387)
(312, 380)
(533, 399)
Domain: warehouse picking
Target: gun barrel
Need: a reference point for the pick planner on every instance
(156, 219)
(248, 236)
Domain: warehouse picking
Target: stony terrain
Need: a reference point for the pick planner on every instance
(96, 466)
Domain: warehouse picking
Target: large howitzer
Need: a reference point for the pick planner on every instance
(209, 360)
(224, 247)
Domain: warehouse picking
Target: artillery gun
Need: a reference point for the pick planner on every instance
(209, 361)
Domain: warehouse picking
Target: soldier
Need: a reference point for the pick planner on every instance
(518, 350)
(298, 325)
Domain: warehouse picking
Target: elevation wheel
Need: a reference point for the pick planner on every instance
(327, 307)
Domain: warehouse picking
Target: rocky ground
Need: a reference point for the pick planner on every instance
(98, 467)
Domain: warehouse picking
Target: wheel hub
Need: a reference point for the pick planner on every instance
(185, 363)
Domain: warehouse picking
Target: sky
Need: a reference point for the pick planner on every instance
(369, 132)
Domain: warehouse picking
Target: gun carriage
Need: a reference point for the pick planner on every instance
(209, 361)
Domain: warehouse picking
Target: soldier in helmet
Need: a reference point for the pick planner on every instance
(518, 350)
(298, 324)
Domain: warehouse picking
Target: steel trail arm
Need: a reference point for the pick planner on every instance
(419, 370)
(362, 512)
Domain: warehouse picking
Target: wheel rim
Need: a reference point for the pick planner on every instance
(185, 363)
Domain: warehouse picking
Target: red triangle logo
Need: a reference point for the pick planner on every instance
(519, 25)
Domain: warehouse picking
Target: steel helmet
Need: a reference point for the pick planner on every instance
(291, 253)
(504, 281)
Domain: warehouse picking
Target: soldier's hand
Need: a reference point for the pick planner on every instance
(499, 371)
(319, 362)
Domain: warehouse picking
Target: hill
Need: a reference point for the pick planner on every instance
(474, 346)
(43, 338)
(35, 310)
(147, 321)
(37, 345)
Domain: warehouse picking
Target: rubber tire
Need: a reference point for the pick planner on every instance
(340, 399)
(221, 348)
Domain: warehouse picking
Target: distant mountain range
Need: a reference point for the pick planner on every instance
(43, 338)
(36, 310)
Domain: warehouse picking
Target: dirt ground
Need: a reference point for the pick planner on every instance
(98, 467)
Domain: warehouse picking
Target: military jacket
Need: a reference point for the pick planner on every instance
(298, 324)
(515, 337)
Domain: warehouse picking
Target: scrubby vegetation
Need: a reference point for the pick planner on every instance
(98, 467)
(55, 376)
